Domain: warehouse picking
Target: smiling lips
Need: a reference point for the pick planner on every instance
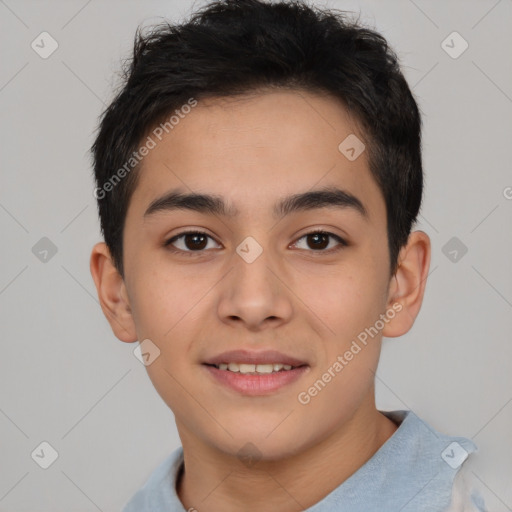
(255, 369)
(255, 373)
(256, 358)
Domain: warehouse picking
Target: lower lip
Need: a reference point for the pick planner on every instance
(255, 385)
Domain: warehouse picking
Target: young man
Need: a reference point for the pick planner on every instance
(257, 180)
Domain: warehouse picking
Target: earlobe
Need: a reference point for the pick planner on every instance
(112, 293)
(407, 286)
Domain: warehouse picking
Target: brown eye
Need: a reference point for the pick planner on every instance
(189, 241)
(320, 240)
(195, 241)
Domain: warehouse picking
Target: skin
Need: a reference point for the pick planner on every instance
(253, 151)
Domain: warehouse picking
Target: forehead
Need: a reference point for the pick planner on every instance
(257, 148)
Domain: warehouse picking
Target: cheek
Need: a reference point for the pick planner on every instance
(346, 301)
(162, 301)
(173, 388)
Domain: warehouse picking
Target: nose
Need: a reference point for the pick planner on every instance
(254, 294)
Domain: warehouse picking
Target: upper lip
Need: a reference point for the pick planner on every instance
(252, 357)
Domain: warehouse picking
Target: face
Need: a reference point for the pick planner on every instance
(255, 279)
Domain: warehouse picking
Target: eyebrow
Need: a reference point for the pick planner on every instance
(328, 197)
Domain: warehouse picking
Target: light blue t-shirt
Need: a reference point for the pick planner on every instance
(413, 471)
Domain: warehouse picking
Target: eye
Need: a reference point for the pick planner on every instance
(319, 240)
(197, 241)
(193, 241)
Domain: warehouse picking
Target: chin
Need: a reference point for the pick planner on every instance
(266, 443)
(251, 452)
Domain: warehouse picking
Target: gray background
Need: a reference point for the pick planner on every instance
(65, 378)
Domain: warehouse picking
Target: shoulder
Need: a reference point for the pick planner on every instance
(159, 489)
(438, 467)
(466, 492)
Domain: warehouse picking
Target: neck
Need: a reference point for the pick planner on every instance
(215, 481)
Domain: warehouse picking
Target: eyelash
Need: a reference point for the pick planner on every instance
(168, 243)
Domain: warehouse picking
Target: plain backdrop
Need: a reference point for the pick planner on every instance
(64, 377)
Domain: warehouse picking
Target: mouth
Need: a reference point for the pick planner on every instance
(255, 373)
(254, 369)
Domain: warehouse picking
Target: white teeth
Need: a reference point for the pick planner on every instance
(246, 368)
(264, 368)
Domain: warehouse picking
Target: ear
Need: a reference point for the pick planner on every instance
(112, 293)
(407, 286)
